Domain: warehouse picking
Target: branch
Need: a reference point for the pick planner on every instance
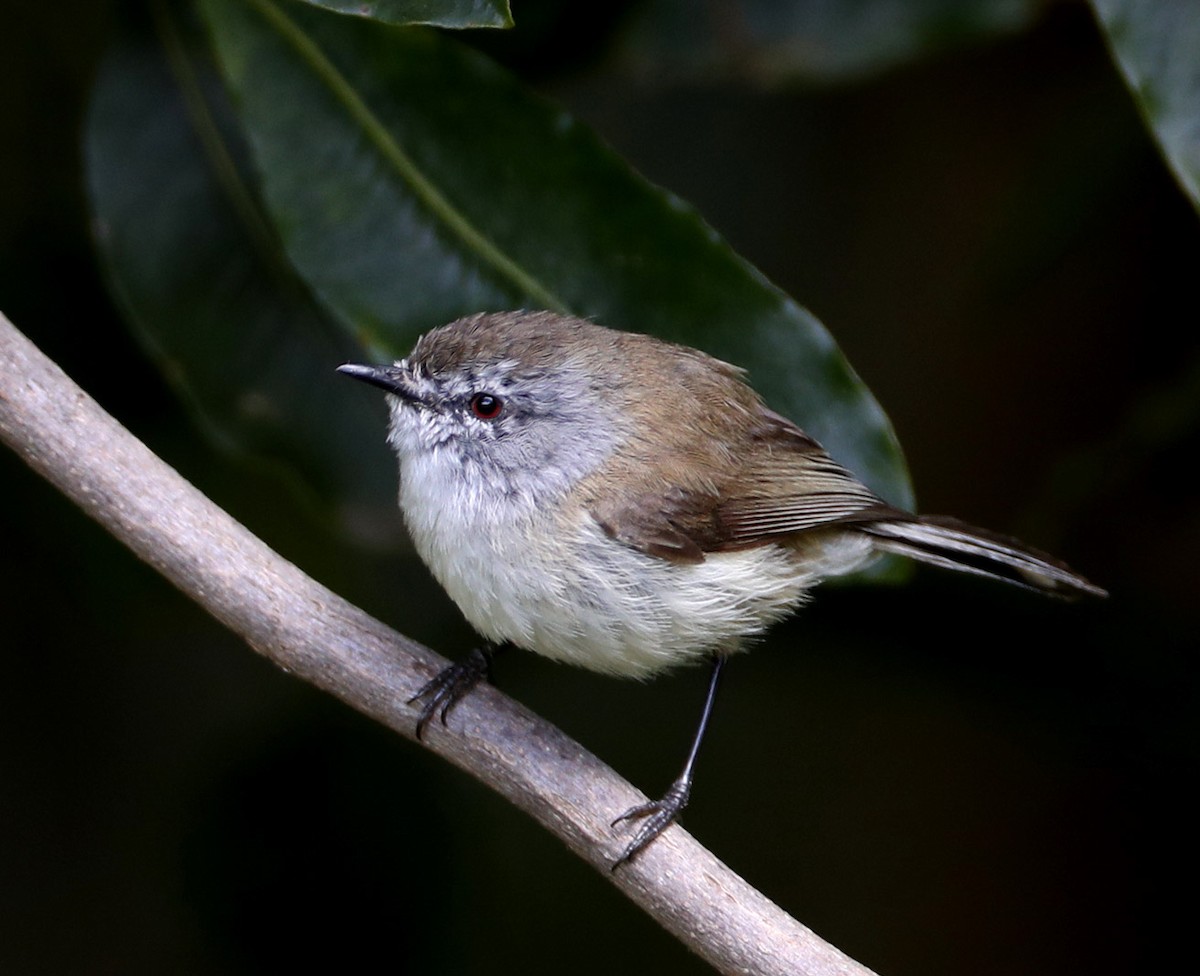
(311, 632)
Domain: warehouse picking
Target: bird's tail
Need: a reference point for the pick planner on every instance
(951, 544)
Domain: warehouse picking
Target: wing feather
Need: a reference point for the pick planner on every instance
(769, 482)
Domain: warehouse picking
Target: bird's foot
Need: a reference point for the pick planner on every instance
(658, 816)
(450, 685)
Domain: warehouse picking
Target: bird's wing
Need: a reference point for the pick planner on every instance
(779, 482)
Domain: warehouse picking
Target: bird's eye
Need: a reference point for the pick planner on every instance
(486, 406)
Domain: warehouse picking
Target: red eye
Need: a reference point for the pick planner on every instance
(485, 406)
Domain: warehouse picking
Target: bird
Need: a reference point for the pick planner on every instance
(626, 504)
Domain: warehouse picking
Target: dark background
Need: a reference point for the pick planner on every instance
(938, 777)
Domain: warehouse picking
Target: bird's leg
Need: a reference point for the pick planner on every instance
(450, 685)
(660, 814)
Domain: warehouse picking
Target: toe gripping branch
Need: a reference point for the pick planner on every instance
(450, 685)
(658, 815)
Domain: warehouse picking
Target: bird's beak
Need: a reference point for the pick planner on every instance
(388, 378)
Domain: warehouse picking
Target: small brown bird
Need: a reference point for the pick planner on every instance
(625, 504)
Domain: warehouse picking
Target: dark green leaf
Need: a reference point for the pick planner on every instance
(412, 182)
(1157, 46)
(197, 267)
(435, 13)
(772, 40)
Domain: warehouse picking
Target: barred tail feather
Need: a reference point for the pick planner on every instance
(951, 544)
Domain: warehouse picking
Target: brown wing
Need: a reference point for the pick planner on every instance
(674, 524)
(770, 482)
(791, 485)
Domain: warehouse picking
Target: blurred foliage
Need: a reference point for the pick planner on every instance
(199, 271)
(1156, 47)
(436, 13)
(937, 777)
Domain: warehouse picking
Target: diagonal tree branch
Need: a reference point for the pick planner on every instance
(308, 630)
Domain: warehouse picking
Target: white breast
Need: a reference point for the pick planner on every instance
(562, 588)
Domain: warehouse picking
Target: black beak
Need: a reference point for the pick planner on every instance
(384, 377)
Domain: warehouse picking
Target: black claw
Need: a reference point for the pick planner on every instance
(450, 685)
(659, 815)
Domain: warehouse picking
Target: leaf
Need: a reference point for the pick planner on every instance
(1157, 47)
(435, 13)
(816, 40)
(412, 181)
(189, 252)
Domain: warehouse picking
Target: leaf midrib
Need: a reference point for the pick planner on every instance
(401, 163)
